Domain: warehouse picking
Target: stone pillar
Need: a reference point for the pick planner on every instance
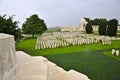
(82, 25)
(7, 57)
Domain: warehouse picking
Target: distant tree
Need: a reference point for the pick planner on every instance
(95, 21)
(34, 25)
(102, 27)
(89, 28)
(112, 27)
(7, 25)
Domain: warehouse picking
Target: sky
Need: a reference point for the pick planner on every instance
(61, 12)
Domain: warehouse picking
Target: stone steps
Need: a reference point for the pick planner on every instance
(76, 75)
(31, 69)
(56, 73)
(40, 77)
(38, 67)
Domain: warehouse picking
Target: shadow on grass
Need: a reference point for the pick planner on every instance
(95, 64)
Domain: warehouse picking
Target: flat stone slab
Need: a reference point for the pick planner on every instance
(30, 68)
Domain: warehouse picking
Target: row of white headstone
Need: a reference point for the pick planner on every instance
(43, 44)
(106, 40)
(60, 39)
(115, 52)
(50, 44)
(53, 43)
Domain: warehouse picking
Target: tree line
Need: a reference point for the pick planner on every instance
(33, 25)
(9, 26)
(105, 27)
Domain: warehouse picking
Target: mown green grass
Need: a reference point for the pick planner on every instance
(118, 31)
(88, 59)
(29, 46)
(52, 30)
(108, 53)
(94, 64)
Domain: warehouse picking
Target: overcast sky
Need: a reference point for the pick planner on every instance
(61, 12)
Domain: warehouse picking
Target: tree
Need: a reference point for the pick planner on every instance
(112, 27)
(102, 27)
(34, 25)
(89, 28)
(95, 21)
(7, 25)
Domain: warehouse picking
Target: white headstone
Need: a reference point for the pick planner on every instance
(113, 52)
(117, 52)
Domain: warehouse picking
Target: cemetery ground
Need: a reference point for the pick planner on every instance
(94, 60)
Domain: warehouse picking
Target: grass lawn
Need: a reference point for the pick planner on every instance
(52, 30)
(118, 31)
(29, 47)
(94, 64)
(94, 60)
(110, 54)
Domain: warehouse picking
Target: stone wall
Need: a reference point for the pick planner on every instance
(81, 27)
(69, 29)
(118, 27)
(7, 57)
